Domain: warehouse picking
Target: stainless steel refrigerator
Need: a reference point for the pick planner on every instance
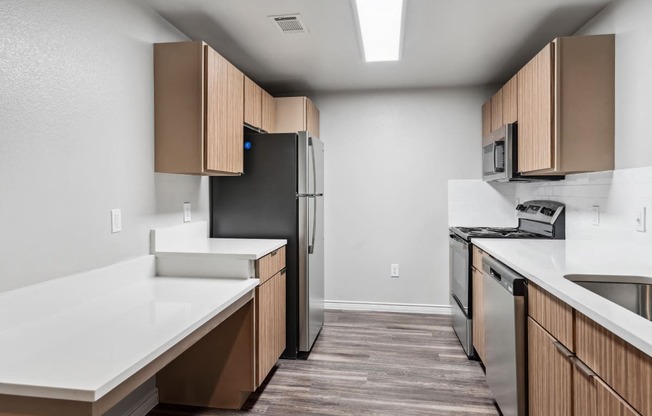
(281, 195)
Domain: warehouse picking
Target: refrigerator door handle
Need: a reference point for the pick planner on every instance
(314, 168)
(311, 247)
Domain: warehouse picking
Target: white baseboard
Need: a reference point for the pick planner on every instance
(144, 405)
(388, 307)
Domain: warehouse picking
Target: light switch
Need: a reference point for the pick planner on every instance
(187, 212)
(116, 221)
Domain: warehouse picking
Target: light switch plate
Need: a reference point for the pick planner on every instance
(116, 221)
(641, 220)
(187, 212)
(393, 272)
(596, 215)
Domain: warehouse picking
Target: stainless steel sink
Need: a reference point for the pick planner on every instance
(631, 292)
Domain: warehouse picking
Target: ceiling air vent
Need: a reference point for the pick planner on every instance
(289, 23)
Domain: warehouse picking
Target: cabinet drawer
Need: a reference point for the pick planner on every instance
(626, 369)
(552, 314)
(477, 258)
(271, 264)
(592, 397)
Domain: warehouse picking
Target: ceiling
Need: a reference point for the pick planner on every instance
(445, 43)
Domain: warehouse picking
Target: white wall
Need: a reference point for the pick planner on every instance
(631, 21)
(76, 137)
(388, 157)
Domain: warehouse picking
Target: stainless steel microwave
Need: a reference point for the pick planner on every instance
(499, 154)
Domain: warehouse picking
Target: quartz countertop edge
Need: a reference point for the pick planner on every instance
(545, 262)
(234, 248)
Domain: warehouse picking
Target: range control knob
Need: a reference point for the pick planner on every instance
(521, 207)
(547, 211)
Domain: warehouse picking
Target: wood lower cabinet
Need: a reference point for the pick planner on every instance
(270, 324)
(552, 314)
(478, 312)
(199, 111)
(592, 397)
(477, 301)
(609, 377)
(297, 114)
(550, 371)
(270, 312)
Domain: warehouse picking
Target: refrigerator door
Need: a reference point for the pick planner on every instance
(263, 203)
(311, 230)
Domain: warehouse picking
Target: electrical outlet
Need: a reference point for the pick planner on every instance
(187, 212)
(393, 270)
(116, 221)
(640, 220)
(596, 215)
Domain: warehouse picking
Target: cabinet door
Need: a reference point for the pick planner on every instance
(224, 115)
(486, 121)
(510, 101)
(592, 397)
(269, 113)
(549, 374)
(253, 103)
(312, 118)
(270, 324)
(497, 110)
(478, 313)
(535, 113)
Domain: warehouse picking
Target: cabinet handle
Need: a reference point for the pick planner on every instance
(583, 368)
(275, 252)
(562, 350)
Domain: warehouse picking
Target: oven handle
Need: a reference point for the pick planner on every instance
(495, 158)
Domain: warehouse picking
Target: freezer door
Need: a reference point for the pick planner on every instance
(310, 165)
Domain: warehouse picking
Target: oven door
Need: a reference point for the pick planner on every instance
(459, 271)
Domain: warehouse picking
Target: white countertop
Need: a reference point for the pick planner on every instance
(545, 262)
(80, 336)
(236, 248)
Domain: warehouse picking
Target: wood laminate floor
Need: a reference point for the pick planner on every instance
(371, 363)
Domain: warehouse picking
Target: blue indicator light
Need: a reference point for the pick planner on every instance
(247, 145)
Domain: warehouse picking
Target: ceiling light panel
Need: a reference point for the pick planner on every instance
(381, 28)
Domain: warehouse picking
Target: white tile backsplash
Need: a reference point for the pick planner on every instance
(620, 194)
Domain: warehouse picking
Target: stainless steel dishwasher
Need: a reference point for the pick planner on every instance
(505, 336)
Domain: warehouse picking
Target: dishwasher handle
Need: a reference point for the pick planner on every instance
(506, 277)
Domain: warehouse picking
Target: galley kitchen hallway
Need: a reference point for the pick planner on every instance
(371, 363)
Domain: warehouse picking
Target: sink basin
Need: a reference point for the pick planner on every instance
(633, 293)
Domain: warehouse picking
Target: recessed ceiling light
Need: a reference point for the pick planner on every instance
(381, 28)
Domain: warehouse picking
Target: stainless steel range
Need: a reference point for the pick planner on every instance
(536, 219)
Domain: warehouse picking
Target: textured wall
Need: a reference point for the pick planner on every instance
(388, 157)
(77, 137)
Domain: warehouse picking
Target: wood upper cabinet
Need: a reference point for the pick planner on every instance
(253, 104)
(510, 101)
(199, 111)
(297, 114)
(268, 113)
(486, 122)
(497, 110)
(566, 107)
(550, 372)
